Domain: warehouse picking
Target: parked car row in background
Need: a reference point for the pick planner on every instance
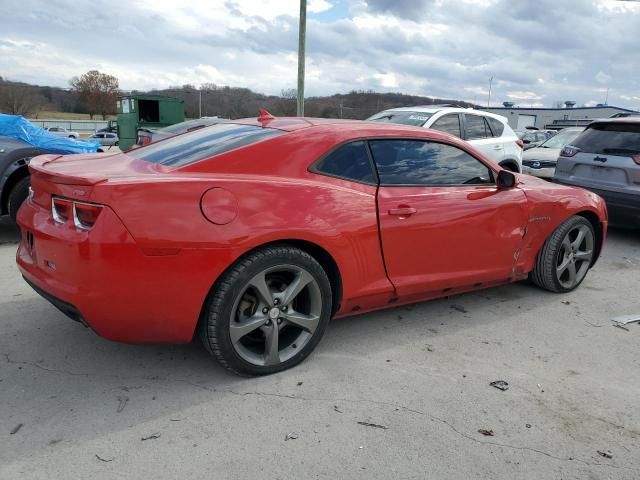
(62, 132)
(540, 161)
(534, 137)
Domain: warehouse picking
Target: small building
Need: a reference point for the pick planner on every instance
(146, 111)
(554, 118)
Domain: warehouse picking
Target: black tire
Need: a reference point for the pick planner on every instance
(18, 194)
(221, 308)
(553, 255)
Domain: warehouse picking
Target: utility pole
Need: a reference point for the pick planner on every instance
(489, 99)
(606, 98)
(200, 103)
(302, 33)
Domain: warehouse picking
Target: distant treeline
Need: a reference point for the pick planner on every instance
(227, 102)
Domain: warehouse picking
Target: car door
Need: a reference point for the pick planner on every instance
(478, 133)
(444, 224)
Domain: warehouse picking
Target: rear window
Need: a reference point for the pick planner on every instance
(200, 144)
(610, 138)
(416, 119)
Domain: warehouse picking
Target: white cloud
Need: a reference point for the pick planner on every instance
(386, 80)
(524, 96)
(602, 77)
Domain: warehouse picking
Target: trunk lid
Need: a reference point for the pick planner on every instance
(90, 169)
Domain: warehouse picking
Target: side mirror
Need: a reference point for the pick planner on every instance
(506, 179)
(526, 140)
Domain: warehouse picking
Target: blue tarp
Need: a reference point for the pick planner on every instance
(19, 127)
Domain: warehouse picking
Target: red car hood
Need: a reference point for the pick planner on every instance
(90, 169)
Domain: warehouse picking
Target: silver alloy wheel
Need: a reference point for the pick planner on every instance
(574, 257)
(275, 315)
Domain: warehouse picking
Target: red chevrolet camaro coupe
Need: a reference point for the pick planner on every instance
(252, 234)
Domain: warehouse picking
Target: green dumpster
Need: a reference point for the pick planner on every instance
(145, 111)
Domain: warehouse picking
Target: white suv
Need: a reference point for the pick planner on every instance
(487, 132)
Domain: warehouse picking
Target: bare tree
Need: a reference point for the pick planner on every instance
(19, 99)
(98, 90)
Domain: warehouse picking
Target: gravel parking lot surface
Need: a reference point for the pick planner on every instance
(399, 394)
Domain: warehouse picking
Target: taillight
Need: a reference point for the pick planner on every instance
(61, 209)
(520, 143)
(143, 140)
(84, 214)
(636, 158)
(569, 151)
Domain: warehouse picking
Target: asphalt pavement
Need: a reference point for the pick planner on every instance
(400, 394)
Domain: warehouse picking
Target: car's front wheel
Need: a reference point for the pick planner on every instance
(566, 256)
(267, 312)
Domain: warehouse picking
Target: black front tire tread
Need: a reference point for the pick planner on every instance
(223, 290)
(544, 271)
(18, 194)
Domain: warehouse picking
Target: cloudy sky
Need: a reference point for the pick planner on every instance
(537, 52)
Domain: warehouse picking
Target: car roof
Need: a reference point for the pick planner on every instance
(631, 119)
(345, 130)
(12, 142)
(436, 109)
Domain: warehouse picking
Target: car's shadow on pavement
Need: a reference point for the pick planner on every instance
(9, 232)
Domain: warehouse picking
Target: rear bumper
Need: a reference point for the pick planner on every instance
(103, 279)
(624, 208)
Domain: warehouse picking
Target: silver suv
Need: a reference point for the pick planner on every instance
(487, 132)
(605, 159)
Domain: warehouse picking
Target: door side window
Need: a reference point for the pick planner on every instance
(449, 124)
(476, 127)
(349, 161)
(416, 162)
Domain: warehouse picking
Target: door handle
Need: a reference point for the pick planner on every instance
(497, 147)
(402, 211)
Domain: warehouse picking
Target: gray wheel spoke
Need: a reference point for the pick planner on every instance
(584, 256)
(237, 330)
(562, 267)
(271, 353)
(259, 282)
(579, 238)
(301, 280)
(566, 244)
(306, 322)
(571, 268)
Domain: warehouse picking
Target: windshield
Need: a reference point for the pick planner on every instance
(564, 137)
(203, 143)
(621, 139)
(417, 119)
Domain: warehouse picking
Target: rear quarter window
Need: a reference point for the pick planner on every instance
(497, 127)
(204, 143)
(350, 162)
(621, 139)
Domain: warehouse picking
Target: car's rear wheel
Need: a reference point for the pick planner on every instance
(565, 258)
(267, 312)
(17, 195)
